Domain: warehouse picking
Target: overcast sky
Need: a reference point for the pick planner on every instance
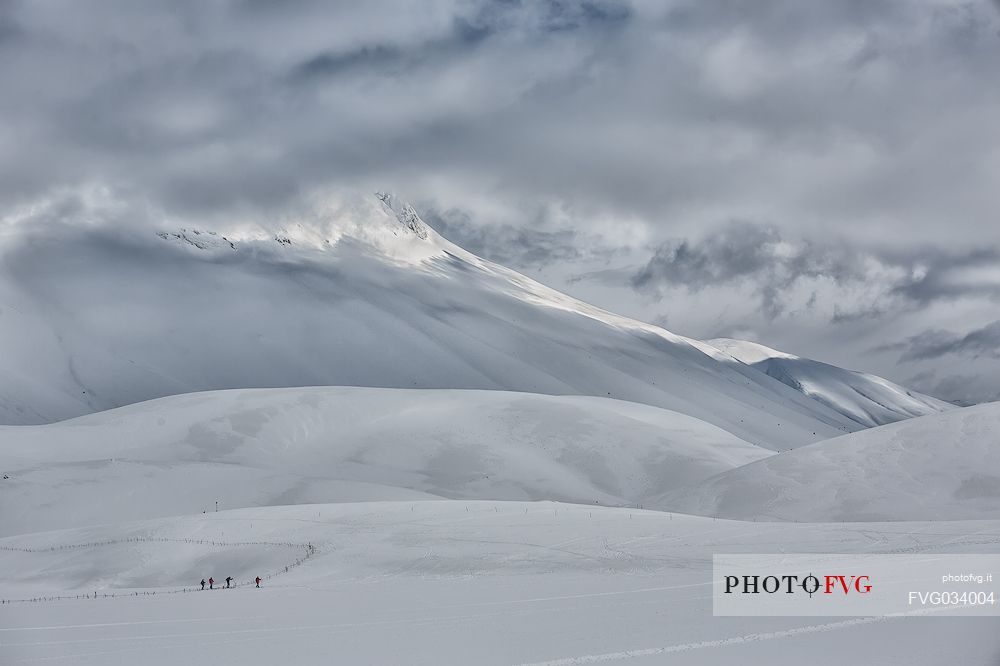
(820, 176)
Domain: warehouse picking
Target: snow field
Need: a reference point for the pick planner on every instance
(463, 582)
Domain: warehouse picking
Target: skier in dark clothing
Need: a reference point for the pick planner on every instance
(258, 581)
(203, 583)
(228, 580)
(211, 582)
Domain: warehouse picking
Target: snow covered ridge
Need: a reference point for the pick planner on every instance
(866, 399)
(98, 317)
(390, 226)
(209, 240)
(293, 446)
(938, 467)
(405, 214)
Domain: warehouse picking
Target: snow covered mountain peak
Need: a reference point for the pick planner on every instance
(344, 290)
(357, 291)
(405, 214)
(382, 222)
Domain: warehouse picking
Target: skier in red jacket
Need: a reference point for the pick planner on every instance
(258, 581)
(211, 582)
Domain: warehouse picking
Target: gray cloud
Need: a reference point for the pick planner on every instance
(641, 109)
(941, 276)
(394, 60)
(740, 250)
(772, 265)
(930, 344)
(539, 244)
(518, 247)
(965, 389)
(750, 254)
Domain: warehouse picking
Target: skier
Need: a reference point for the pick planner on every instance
(228, 579)
(211, 582)
(257, 580)
(203, 583)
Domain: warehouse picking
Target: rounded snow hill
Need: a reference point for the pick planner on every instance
(264, 447)
(866, 399)
(938, 467)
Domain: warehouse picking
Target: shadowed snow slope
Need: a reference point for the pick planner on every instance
(938, 467)
(863, 398)
(94, 319)
(180, 454)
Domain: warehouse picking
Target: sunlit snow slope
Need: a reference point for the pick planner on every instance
(866, 399)
(181, 454)
(94, 318)
(938, 467)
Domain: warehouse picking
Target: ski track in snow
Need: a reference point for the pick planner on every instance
(123, 624)
(722, 642)
(566, 661)
(309, 549)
